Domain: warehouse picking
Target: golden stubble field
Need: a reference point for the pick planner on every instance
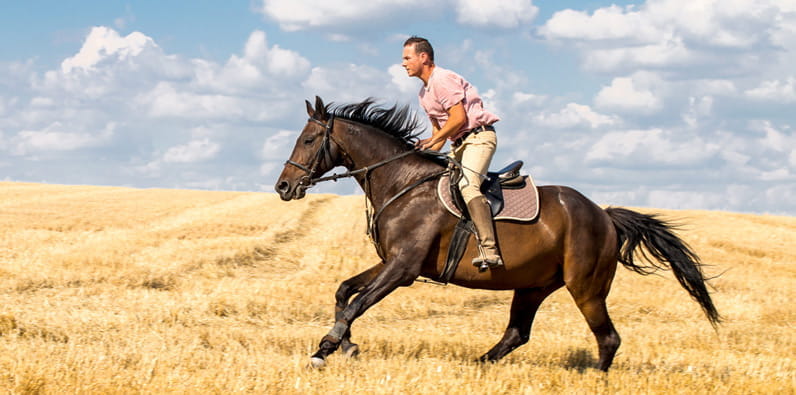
(117, 290)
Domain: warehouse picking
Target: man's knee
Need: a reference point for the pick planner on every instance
(470, 192)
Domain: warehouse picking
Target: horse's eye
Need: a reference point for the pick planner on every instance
(309, 140)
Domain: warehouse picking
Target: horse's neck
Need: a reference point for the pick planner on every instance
(371, 147)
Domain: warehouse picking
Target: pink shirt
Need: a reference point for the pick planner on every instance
(446, 89)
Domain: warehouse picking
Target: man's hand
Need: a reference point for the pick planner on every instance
(456, 120)
(430, 144)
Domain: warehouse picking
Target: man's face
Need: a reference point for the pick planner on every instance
(413, 61)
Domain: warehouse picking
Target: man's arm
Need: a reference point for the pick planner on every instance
(456, 119)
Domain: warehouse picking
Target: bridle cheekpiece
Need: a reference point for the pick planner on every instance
(323, 154)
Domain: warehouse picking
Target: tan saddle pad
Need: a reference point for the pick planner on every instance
(521, 204)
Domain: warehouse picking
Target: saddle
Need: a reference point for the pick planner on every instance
(511, 196)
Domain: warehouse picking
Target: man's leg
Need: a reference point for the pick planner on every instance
(475, 155)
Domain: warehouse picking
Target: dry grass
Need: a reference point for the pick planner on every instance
(157, 291)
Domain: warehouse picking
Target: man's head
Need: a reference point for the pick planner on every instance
(421, 45)
(417, 55)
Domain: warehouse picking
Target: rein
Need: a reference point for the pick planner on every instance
(324, 154)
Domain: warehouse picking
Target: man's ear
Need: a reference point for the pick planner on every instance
(424, 57)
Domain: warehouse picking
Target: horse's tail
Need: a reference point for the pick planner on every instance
(634, 229)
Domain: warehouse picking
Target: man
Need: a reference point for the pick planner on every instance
(457, 114)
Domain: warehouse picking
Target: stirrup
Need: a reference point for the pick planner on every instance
(484, 264)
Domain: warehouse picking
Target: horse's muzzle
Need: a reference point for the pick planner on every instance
(288, 191)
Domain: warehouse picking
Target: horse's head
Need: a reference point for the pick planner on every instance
(314, 154)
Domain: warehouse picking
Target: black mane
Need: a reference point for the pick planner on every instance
(397, 121)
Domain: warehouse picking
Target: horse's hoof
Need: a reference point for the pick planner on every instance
(352, 351)
(317, 362)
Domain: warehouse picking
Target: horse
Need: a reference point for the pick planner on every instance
(573, 242)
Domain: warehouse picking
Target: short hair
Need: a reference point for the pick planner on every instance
(421, 45)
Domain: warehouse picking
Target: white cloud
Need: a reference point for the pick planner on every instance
(637, 148)
(504, 13)
(259, 68)
(717, 87)
(269, 169)
(573, 115)
(667, 33)
(274, 60)
(293, 15)
(157, 99)
(728, 196)
(611, 23)
(166, 101)
(774, 138)
(672, 52)
(109, 66)
(103, 43)
(684, 200)
(698, 108)
(278, 145)
(54, 138)
(194, 151)
(353, 82)
(525, 98)
(626, 95)
(400, 79)
(42, 102)
(776, 91)
(725, 23)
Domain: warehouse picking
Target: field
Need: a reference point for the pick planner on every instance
(117, 290)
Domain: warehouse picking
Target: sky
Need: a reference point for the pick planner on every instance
(679, 104)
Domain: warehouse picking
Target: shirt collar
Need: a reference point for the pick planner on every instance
(430, 77)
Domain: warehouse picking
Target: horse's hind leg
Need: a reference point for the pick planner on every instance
(523, 309)
(600, 323)
(589, 289)
(347, 289)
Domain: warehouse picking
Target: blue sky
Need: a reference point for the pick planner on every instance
(685, 104)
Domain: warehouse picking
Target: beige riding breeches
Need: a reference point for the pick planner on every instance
(475, 154)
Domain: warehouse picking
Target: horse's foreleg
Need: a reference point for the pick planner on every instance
(397, 273)
(347, 289)
(523, 310)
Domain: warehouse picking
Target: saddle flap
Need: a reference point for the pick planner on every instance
(493, 193)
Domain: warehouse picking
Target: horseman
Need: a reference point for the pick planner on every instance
(457, 114)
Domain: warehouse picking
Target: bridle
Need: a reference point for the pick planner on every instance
(324, 154)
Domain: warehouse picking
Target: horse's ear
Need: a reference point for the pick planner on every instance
(310, 110)
(320, 109)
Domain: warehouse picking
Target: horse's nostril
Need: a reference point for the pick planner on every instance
(283, 186)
